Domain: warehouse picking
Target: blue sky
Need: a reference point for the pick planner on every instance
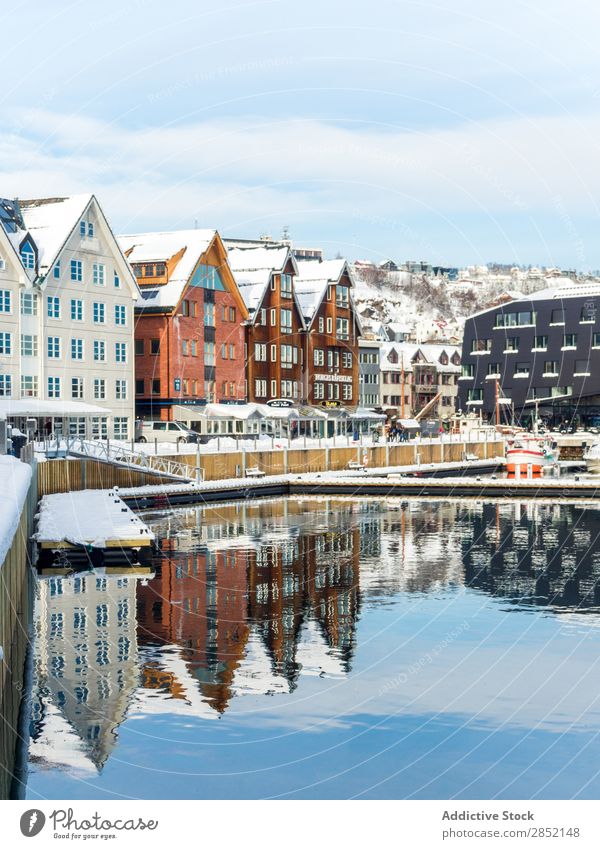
(456, 131)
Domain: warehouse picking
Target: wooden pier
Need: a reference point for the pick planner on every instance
(93, 527)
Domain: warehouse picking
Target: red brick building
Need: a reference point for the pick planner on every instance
(324, 290)
(190, 323)
(265, 278)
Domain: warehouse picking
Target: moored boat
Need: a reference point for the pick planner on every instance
(529, 454)
(592, 458)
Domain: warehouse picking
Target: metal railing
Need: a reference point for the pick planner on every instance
(119, 455)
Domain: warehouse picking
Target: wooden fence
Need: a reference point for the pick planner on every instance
(74, 474)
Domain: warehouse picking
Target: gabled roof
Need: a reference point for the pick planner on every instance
(161, 247)
(253, 267)
(312, 282)
(50, 221)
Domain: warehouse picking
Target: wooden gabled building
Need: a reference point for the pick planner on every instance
(190, 322)
(331, 374)
(265, 277)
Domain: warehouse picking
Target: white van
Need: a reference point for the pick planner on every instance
(167, 432)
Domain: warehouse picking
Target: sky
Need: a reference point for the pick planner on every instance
(457, 132)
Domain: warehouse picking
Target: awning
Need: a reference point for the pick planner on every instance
(365, 413)
(409, 424)
(36, 407)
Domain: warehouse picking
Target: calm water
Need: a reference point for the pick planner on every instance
(329, 648)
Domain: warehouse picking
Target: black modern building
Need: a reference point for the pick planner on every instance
(541, 352)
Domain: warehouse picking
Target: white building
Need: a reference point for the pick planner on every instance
(66, 314)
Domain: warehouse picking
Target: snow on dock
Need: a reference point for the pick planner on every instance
(15, 478)
(94, 518)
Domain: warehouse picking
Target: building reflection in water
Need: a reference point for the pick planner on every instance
(247, 598)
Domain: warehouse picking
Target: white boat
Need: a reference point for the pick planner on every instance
(526, 452)
(592, 458)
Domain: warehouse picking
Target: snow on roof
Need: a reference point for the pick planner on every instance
(258, 259)
(312, 281)
(50, 222)
(160, 247)
(39, 407)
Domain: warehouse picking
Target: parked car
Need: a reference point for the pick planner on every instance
(167, 432)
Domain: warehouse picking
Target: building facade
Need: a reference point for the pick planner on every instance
(189, 333)
(274, 334)
(420, 379)
(538, 353)
(369, 372)
(67, 298)
(332, 332)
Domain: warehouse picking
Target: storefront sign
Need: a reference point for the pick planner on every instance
(280, 402)
(334, 378)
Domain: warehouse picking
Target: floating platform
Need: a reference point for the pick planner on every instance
(94, 528)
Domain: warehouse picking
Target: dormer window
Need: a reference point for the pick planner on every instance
(28, 255)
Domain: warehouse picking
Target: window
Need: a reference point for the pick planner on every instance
(561, 390)
(155, 346)
(90, 230)
(319, 357)
(76, 270)
(273, 389)
(99, 388)
(319, 391)
(342, 297)
(286, 285)
(5, 344)
(121, 390)
(540, 343)
(100, 427)
(54, 347)
(29, 386)
(56, 270)
(120, 315)
(273, 283)
(231, 352)
(287, 356)
(286, 321)
(29, 345)
(53, 306)
(468, 371)
(121, 352)
(194, 346)
(515, 319)
(260, 388)
(209, 315)
(287, 389)
(54, 387)
(341, 328)
(481, 346)
(184, 347)
(139, 386)
(493, 370)
(232, 313)
(582, 367)
(263, 317)
(223, 351)
(596, 340)
(116, 280)
(588, 313)
(121, 429)
(570, 340)
(521, 370)
(273, 353)
(551, 368)
(347, 391)
(98, 277)
(321, 324)
(99, 350)
(99, 312)
(329, 324)
(346, 359)
(185, 308)
(76, 310)
(273, 317)
(5, 385)
(76, 388)
(557, 317)
(512, 344)
(475, 395)
(5, 300)
(82, 228)
(139, 347)
(209, 353)
(28, 303)
(260, 352)
(28, 255)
